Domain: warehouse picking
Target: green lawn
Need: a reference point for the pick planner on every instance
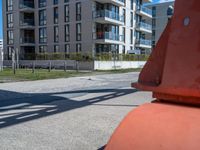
(40, 74)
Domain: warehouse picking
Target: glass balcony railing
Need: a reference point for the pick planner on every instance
(27, 22)
(108, 36)
(145, 10)
(144, 26)
(27, 40)
(26, 4)
(144, 42)
(122, 1)
(108, 14)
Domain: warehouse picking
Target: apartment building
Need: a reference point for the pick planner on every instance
(76, 26)
(162, 12)
(1, 54)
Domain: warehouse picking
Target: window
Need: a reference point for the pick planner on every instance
(67, 33)
(42, 3)
(55, 2)
(42, 35)
(124, 15)
(132, 2)
(55, 15)
(78, 31)
(124, 34)
(9, 53)
(10, 20)
(42, 49)
(66, 1)
(9, 5)
(131, 19)
(131, 36)
(170, 10)
(78, 11)
(56, 48)
(10, 37)
(78, 48)
(67, 48)
(56, 34)
(66, 13)
(42, 17)
(154, 11)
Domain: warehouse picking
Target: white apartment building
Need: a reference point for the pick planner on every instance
(162, 12)
(1, 54)
(76, 26)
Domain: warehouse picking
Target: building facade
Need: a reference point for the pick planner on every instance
(162, 12)
(1, 54)
(76, 26)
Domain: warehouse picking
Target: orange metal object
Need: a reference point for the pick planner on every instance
(172, 73)
(158, 127)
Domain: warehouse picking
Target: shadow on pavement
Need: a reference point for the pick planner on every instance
(21, 107)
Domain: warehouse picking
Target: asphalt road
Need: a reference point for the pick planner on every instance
(78, 113)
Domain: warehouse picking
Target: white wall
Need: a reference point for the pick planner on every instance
(1, 59)
(109, 65)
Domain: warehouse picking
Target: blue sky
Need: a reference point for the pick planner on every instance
(1, 34)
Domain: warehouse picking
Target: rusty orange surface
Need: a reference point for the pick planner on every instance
(174, 66)
(158, 127)
(172, 73)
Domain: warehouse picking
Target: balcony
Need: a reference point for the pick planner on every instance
(27, 23)
(115, 2)
(107, 16)
(27, 41)
(144, 27)
(142, 43)
(147, 1)
(145, 12)
(107, 37)
(26, 5)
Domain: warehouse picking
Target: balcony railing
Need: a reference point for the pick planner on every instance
(26, 4)
(27, 22)
(27, 40)
(122, 1)
(108, 36)
(145, 10)
(144, 25)
(108, 14)
(144, 42)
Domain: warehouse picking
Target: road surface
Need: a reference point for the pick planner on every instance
(78, 113)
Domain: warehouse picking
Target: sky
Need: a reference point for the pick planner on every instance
(1, 28)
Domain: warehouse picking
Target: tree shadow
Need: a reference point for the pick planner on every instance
(22, 107)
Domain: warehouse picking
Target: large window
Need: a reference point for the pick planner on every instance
(66, 13)
(56, 15)
(9, 53)
(42, 3)
(56, 48)
(67, 48)
(55, 2)
(10, 37)
(9, 5)
(78, 11)
(78, 31)
(42, 17)
(67, 33)
(78, 48)
(42, 35)
(42, 49)
(56, 34)
(10, 20)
